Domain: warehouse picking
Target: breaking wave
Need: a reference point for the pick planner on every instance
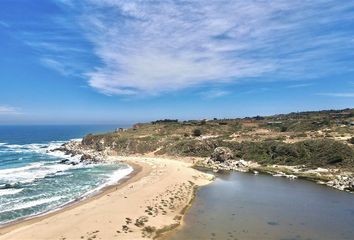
(4, 192)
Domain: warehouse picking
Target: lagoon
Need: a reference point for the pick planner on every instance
(246, 206)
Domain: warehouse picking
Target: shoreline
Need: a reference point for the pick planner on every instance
(339, 179)
(154, 184)
(143, 166)
(131, 177)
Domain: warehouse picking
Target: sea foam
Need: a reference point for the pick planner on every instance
(114, 178)
(32, 204)
(4, 192)
(30, 172)
(30, 164)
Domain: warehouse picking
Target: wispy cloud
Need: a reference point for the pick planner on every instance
(4, 24)
(339, 95)
(214, 93)
(8, 110)
(55, 65)
(150, 47)
(57, 41)
(301, 85)
(54, 47)
(257, 90)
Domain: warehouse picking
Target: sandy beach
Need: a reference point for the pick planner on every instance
(149, 202)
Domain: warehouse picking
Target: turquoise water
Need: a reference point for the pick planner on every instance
(32, 179)
(245, 206)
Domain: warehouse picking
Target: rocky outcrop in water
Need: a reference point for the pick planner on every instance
(342, 182)
(68, 162)
(86, 155)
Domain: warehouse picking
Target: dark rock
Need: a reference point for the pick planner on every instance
(85, 157)
(64, 161)
(100, 146)
(68, 161)
(6, 186)
(62, 148)
(351, 187)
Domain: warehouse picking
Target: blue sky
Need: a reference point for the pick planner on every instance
(112, 61)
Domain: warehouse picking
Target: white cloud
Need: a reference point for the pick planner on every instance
(149, 47)
(8, 110)
(159, 47)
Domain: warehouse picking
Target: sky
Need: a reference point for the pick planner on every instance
(118, 61)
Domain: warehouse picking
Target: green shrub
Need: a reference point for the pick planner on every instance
(197, 132)
(283, 128)
(313, 153)
(149, 229)
(203, 122)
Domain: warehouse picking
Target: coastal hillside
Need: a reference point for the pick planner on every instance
(313, 139)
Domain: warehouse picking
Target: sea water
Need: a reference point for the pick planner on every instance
(32, 179)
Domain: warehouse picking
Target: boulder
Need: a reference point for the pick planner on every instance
(100, 146)
(342, 182)
(68, 162)
(64, 161)
(85, 157)
(222, 154)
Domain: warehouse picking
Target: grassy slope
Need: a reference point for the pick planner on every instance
(315, 139)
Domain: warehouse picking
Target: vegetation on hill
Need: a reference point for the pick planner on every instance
(314, 139)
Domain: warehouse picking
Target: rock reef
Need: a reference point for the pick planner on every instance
(86, 155)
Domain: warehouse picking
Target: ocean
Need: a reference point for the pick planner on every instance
(32, 179)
